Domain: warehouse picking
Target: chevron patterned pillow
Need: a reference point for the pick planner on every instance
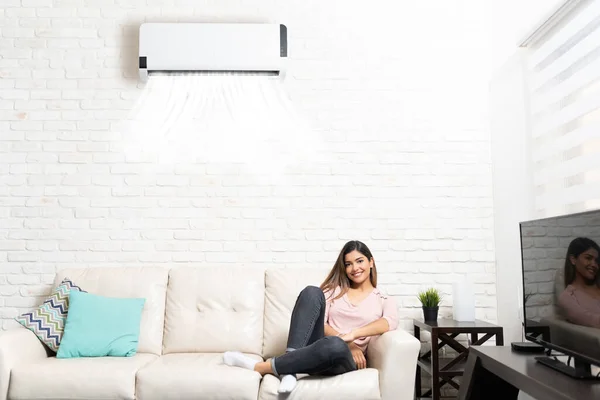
(48, 320)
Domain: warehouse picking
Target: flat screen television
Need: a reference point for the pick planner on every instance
(561, 289)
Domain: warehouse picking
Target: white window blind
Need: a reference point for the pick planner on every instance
(564, 93)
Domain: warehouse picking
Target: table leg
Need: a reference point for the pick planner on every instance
(500, 338)
(435, 367)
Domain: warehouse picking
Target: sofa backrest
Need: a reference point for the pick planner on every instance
(205, 309)
(138, 282)
(559, 287)
(282, 286)
(214, 309)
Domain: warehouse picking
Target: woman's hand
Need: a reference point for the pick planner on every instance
(358, 356)
(348, 337)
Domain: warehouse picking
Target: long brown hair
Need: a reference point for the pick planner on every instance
(337, 276)
(578, 246)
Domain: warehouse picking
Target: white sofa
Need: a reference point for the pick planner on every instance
(191, 316)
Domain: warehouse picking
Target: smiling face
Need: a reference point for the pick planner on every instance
(358, 267)
(586, 265)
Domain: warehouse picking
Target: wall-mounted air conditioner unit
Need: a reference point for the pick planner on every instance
(212, 47)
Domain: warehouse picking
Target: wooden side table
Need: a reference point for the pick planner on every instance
(443, 333)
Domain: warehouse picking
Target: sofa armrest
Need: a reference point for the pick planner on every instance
(394, 354)
(16, 346)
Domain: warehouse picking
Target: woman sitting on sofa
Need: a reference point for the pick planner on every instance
(580, 301)
(331, 326)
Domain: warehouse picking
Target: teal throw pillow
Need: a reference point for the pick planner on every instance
(99, 326)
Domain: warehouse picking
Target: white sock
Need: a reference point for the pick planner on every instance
(237, 359)
(288, 383)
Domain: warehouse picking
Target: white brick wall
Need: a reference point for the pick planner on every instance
(397, 94)
(545, 244)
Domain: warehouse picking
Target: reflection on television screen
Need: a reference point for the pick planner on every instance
(561, 282)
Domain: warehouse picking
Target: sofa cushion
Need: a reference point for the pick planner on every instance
(282, 287)
(77, 378)
(214, 310)
(196, 376)
(559, 287)
(360, 385)
(48, 320)
(99, 326)
(149, 283)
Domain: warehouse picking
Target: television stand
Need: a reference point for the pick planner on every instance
(499, 373)
(580, 371)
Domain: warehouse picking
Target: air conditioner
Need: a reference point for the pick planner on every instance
(212, 47)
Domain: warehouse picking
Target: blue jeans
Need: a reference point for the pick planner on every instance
(308, 350)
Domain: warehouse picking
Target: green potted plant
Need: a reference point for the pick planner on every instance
(430, 300)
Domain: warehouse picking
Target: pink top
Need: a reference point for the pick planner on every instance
(343, 316)
(579, 308)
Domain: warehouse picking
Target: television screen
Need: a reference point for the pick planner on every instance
(561, 284)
